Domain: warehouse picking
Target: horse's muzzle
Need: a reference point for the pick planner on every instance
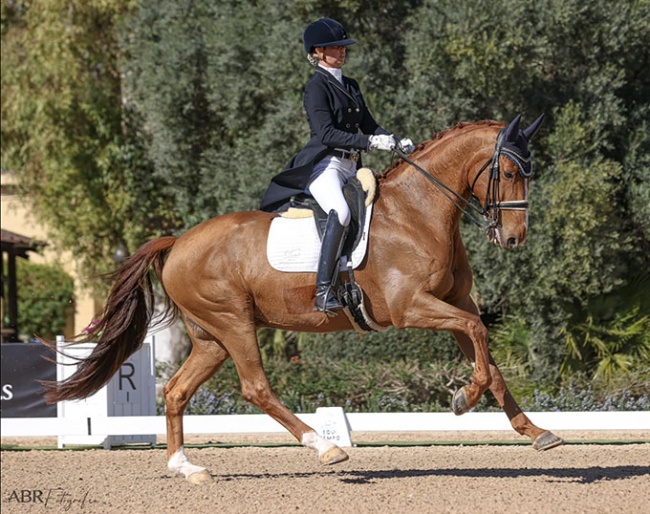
(495, 236)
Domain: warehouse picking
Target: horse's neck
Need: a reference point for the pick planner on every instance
(450, 160)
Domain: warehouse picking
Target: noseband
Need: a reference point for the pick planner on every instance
(491, 207)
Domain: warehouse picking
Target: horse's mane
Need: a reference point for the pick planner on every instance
(439, 135)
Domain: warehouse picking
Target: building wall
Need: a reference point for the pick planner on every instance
(17, 217)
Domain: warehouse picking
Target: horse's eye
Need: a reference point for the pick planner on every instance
(508, 175)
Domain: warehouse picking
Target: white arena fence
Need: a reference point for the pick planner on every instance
(358, 422)
(124, 411)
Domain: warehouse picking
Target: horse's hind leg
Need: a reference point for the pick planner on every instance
(542, 439)
(242, 345)
(206, 358)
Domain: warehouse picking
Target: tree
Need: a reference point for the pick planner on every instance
(220, 89)
(586, 68)
(65, 133)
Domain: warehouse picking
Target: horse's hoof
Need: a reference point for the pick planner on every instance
(546, 441)
(333, 455)
(201, 477)
(459, 403)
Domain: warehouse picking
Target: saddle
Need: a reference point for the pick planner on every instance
(359, 193)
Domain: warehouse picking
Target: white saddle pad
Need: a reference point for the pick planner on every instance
(293, 244)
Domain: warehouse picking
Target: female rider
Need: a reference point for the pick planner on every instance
(337, 113)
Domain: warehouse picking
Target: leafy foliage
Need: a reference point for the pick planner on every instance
(65, 133)
(613, 347)
(629, 392)
(45, 297)
(305, 385)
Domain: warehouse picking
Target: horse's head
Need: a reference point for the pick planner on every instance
(504, 188)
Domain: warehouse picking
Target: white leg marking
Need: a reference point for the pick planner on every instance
(313, 440)
(179, 463)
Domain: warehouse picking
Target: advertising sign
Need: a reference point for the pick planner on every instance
(23, 366)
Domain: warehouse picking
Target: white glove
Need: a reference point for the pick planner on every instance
(382, 142)
(406, 145)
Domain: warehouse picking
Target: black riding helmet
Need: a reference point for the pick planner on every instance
(325, 32)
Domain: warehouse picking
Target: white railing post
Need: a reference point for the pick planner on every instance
(131, 392)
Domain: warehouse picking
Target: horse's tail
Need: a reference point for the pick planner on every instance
(123, 325)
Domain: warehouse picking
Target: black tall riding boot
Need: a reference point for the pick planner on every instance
(328, 265)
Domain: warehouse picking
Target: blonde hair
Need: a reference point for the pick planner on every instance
(313, 59)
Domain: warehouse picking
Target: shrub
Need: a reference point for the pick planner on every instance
(303, 386)
(45, 295)
(628, 392)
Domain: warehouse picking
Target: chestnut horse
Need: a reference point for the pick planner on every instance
(416, 274)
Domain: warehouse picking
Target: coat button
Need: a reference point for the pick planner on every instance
(347, 125)
(349, 109)
(356, 125)
(358, 109)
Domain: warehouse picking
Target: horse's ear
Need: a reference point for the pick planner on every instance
(530, 132)
(512, 131)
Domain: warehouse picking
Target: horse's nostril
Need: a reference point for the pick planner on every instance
(512, 242)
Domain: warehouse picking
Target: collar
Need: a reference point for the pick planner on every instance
(335, 72)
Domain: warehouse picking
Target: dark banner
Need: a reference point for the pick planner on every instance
(22, 366)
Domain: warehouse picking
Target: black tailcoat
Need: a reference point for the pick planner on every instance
(336, 113)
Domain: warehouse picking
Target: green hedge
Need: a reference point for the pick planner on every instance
(374, 386)
(45, 295)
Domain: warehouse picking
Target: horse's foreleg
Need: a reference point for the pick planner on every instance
(468, 396)
(542, 439)
(431, 313)
(257, 390)
(204, 361)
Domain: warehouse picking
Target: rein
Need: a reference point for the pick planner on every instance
(493, 206)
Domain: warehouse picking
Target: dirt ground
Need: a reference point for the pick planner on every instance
(417, 473)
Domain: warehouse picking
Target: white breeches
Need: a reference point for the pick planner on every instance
(331, 174)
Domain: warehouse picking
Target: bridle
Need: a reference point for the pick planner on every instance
(491, 206)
